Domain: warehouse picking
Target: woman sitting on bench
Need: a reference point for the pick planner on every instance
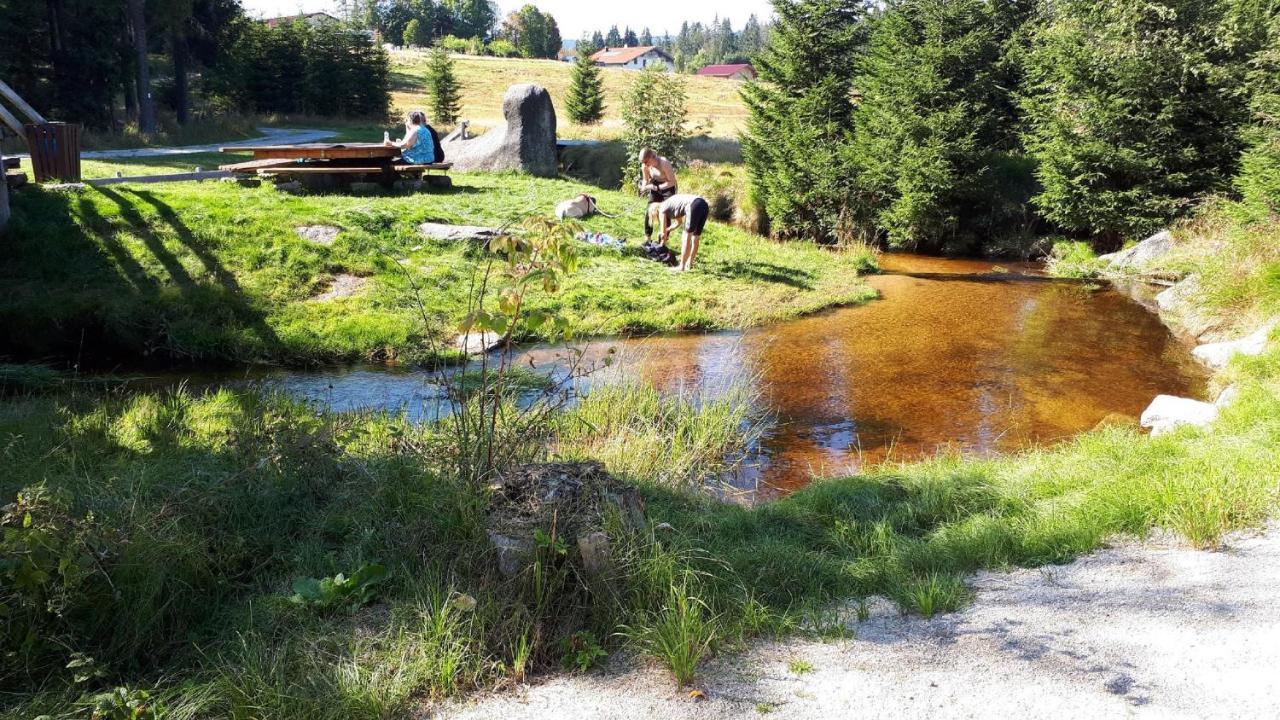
(418, 146)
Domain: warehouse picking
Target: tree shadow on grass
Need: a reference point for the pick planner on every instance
(232, 296)
(765, 272)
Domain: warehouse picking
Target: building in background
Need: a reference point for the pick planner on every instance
(634, 58)
(732, 72)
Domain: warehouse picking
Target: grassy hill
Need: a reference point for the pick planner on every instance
(713, 102)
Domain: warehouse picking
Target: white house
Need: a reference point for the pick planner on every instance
(634, 58)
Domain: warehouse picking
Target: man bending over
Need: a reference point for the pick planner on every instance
(693, 210)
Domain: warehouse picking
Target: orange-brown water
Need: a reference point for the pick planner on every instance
(956, 353)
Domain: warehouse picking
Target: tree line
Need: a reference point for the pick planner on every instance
(111, 63)
(695, 46)
(967, 125)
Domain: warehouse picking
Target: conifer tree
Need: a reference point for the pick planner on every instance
(1134, 111)
(646, 38)
(801, 111)
(444, 89)
(614, 38)
(925, 129)
(1259, 178)
(585, 102)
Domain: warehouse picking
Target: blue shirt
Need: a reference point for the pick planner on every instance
(423, 151)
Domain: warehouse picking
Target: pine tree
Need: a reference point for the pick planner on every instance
(614, 38)
(1259, 178)
(800, 115)
(585, 101)
(646, 38)
(925, 129)
(629, 38)
(1134, 111)
(597, 40)
(444, 89)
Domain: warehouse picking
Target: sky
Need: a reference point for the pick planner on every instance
(578, 16)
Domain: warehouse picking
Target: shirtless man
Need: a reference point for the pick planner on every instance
(657, 180)
(668, 214)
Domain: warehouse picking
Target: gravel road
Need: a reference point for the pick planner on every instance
(1136, 631)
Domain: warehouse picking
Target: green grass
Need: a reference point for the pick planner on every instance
(201, 511)
(156, 538)
(216, 272)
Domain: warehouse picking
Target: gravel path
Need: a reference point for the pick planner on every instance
(270, 136)
(1145, 631)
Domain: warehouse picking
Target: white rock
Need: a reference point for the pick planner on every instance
(476, 343)
(513, 554)
(1218, 355)
(1227, 396)
(1167, 412)
(318, 234)
(437, 231)
(1178, 295)
(1149, 250)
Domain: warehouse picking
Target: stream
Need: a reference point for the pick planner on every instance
(971, 355)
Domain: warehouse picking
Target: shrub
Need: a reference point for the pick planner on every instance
(655, 112)
(503, 48)
(452, 43)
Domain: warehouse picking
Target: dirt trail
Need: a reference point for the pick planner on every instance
(1147, 631)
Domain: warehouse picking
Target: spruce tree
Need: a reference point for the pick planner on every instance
(444, 89)
(1259, 178)
(925, 131)
(1134, 111)
(801, 112)
(614, 38)
(585, 102)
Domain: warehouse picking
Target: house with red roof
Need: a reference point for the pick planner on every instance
(634, 58)
(731, 72)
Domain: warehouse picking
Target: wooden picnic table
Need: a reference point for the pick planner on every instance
(319, 151)
(328, 161)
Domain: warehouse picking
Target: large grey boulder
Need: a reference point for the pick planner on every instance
(4, 197)
(1166, 413)
(526, 143)
(1142, 254)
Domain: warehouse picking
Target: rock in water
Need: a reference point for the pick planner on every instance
(1167, 413)
(527, 143)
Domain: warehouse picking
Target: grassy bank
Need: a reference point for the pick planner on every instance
(217, 272)
(159, 540)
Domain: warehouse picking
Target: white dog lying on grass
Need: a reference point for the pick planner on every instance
(577, 208)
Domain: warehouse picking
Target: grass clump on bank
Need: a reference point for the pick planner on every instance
(217, 272)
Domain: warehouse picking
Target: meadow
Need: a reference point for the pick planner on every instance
(715, 106)
(217, 272)
(239, 555)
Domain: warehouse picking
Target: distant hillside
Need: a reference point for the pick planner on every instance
(712, 101)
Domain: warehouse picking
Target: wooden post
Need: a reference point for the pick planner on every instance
(4, 197)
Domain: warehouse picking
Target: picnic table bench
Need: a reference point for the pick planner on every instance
(331, 163)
